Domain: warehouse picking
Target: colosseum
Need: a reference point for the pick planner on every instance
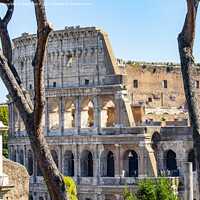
(105, 122)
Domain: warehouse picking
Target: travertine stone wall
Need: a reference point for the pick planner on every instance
(90, 114)
(150, 85)
(18, 176)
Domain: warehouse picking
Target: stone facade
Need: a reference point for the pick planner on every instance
(95, 117)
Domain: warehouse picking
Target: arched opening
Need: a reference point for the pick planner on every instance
(191, 158)
(108, 114)
(15, 156)
(30, 163)
(54, 116)
(68, 163)
(86, 164)
(39, 172)
(130, 163)
(55, 157)
(110, 164)
(21, 157)
(155, 140)
(87, 114)
(69, 115)
(107, 164)
(30, 197)
(171, 160)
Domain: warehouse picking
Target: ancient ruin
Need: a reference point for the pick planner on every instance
(105, 122)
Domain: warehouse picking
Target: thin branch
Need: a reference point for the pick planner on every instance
(7, 47)
(43, 32)
(13, 88)
(6, 1)
(9, 13)
(187, 34)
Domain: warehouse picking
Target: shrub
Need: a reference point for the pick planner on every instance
(129, 62)
(4, 119)
(148, 189)
(71, 187)
(169, 69)
(144, 66)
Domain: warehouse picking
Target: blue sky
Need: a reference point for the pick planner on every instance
(138, 30)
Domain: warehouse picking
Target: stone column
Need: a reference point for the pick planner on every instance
(99, 164)
(117, 110)
(76, 163)
(188, 181)
(96, 165)
(77, 116)
(180, 165)
(95, 196)
(46, 118)
(117, 161)
(19, 123)
(61, 116)
(118, 196)
(24, 150)
(97, 116)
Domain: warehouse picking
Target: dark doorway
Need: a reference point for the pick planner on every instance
(30, 163)
(191, 158)
(68, 163)
(171, 160)
(133, 164)
(39, 173)
(90, 165)
(55, 157)
(110, 164)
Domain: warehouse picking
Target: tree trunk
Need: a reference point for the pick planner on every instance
(186, 41)
(32, 116)
(52, 176)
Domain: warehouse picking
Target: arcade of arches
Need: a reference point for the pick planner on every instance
(66, 116)
(89, 162)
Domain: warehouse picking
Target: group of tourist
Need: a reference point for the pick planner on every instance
(168, 172)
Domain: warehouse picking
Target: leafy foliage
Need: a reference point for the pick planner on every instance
(144, 66)
(71, 187)
(129, 62)
(4, 119)
(148, 189)
(169, 68)
(128, 194)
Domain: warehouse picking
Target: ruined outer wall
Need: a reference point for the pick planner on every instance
(73, 56)
(18, 176)
(150, 85)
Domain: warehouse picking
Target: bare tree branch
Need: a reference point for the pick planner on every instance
(56, 187)
(9, 13)
(6, 1)
(32, 117)
(13, 88)
(186, 42)
(5, 39)
(7, 47)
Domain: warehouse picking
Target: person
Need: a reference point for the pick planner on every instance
(135, 173)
